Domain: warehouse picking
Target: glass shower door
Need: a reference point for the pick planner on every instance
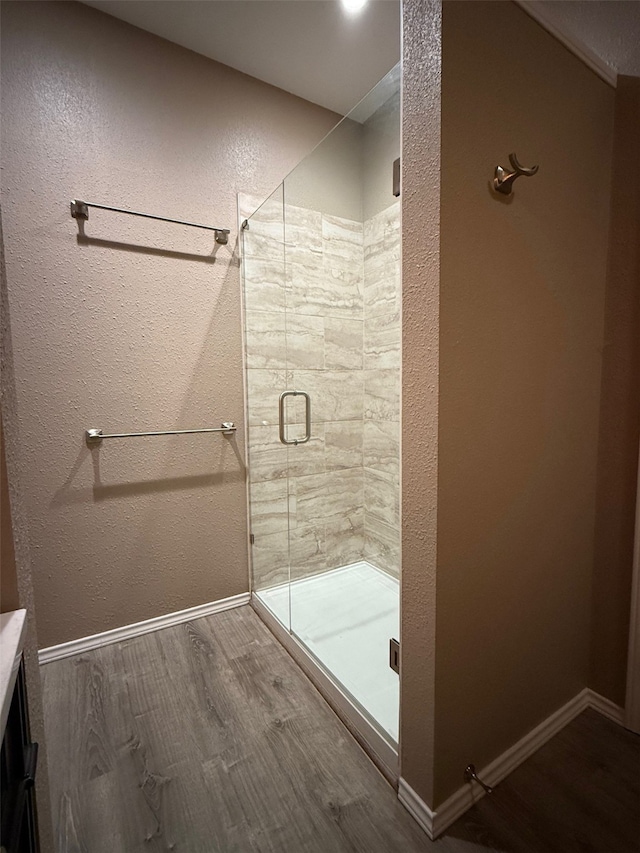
(342, 269)
(322, 306)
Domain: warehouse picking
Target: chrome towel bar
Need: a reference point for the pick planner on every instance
(80, 210)
(93, 437)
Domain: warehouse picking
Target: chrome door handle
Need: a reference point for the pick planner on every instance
(307, 419)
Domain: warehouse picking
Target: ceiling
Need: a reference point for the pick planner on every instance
(311, 48)
(315, 50)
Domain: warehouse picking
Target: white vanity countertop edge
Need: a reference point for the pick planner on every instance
(13, 628)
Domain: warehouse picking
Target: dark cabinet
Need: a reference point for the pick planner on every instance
(19, 828)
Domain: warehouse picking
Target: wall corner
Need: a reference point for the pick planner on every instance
(421, 94)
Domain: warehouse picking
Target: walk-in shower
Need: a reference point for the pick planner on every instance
(321, 270)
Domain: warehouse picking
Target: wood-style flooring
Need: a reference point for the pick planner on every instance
(207, 738)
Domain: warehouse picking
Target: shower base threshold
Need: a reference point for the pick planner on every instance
(342, 621)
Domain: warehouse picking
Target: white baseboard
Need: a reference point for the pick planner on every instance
(417, 807)
(606, 707)
(95, 641)
(435, 823)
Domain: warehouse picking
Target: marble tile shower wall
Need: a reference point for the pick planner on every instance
(382, 353)
(322, 316)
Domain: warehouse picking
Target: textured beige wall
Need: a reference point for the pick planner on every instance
(521, 332)
(619, 408)
(137, 328)
(8, 576)
(329, 179)
(17, 533)
(420, 203)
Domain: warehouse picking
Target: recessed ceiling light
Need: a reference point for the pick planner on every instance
(352, 7)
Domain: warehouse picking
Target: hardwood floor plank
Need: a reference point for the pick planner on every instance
(159, 754)
(579, 792)
(67, 834)
(206, 737)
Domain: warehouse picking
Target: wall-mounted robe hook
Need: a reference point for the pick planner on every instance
(503, 181)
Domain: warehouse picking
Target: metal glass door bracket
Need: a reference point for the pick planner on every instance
(307, 420)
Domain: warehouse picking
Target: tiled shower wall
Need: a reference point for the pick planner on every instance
(322, 302)
(381, 459)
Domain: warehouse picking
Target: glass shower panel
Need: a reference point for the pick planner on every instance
(321, 262)
(342, 267)
(263, 265)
